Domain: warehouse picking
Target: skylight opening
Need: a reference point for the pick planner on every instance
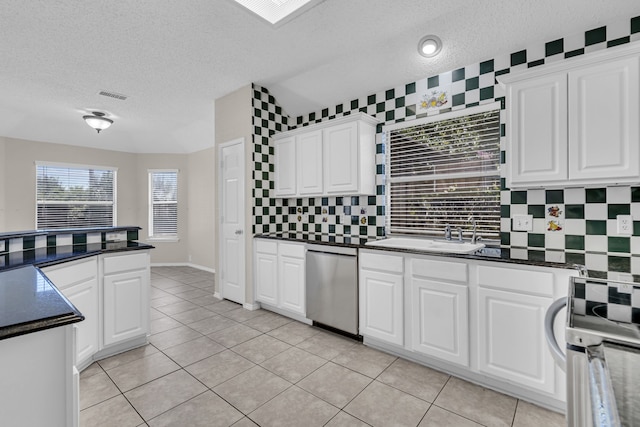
(277, 12)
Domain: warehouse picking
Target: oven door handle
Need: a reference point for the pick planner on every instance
(552, 341)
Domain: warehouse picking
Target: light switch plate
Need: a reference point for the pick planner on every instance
(522, 223)
(625, 225)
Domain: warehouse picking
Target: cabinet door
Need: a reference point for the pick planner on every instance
(511, 340)
(603, 121)
(309, 156)
(266, 278)
(85, 297)
(291, 277)
(126, 306)
(537, 130)
(341, 159)
(78, 281)
(440, 322)
(285, 167)
(381, 306)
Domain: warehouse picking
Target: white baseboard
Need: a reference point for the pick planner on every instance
(182, 264)
(217, 295)
(252, 307)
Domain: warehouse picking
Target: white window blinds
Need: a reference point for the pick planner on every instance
(74, 196)
(445, 172)
(163, 209)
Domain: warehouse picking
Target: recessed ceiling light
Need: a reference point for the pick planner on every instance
(429, 46)
(278, 11)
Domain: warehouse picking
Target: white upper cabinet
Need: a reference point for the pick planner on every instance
(309, 163)
(341, 154)
(336, 157)
(538, 130)
(604, 117)
(575, 122)
(285, 171)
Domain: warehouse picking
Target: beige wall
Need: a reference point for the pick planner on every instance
(196, 193)
(164, 252)
(233, 121)
(19, 176)
(201, 216)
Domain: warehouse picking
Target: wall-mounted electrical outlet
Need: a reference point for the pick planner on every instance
(522, 223)
(625, 225)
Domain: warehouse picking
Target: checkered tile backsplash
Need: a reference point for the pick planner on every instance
(607, 300)
(587, 236)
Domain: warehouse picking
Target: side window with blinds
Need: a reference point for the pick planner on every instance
(444, 171)
(73, 196)
(163, 204)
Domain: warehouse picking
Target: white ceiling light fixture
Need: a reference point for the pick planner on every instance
(277, 12)
(429, 46)
(98, 121)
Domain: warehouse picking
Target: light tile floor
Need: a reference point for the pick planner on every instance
(213, 363)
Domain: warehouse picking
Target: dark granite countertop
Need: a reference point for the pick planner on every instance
(488, 253)
(43, 257)
(29, 303)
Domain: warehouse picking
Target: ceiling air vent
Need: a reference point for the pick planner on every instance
(115, 95)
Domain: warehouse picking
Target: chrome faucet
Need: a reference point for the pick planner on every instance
(460, 234)
(474, 237)
(447, 232)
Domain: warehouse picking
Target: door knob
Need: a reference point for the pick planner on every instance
(238, 232)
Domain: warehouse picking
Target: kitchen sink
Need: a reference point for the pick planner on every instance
(429, 245)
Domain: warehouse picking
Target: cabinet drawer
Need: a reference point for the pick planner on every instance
(383, 262)
(266, 246)
(291, 250)
(115, 264)
(445, 270)
(511, 279)
(71, 273)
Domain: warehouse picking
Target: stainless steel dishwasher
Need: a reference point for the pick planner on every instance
(332, 287)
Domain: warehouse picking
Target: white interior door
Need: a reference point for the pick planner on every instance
(232, 220)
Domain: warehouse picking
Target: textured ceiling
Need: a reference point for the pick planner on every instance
(174, 58)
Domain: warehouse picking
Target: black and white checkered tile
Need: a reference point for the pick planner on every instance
(582, 239)
(607, 300)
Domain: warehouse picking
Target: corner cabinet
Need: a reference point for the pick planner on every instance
(336, 157)
(575, 122)
(112, 292)
(78, 282)
(279, 276)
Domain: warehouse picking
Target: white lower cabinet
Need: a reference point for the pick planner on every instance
(440, 324)
(511, 338)
(279, 275)
(479, 320)
(78, 281)
(125, 296)
(440, 309)
(112, 293)
(292, 283)
(381, 297)
(266, 271)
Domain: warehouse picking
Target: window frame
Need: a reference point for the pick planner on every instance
(114, 201)
(161, 237)
(485, 108)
